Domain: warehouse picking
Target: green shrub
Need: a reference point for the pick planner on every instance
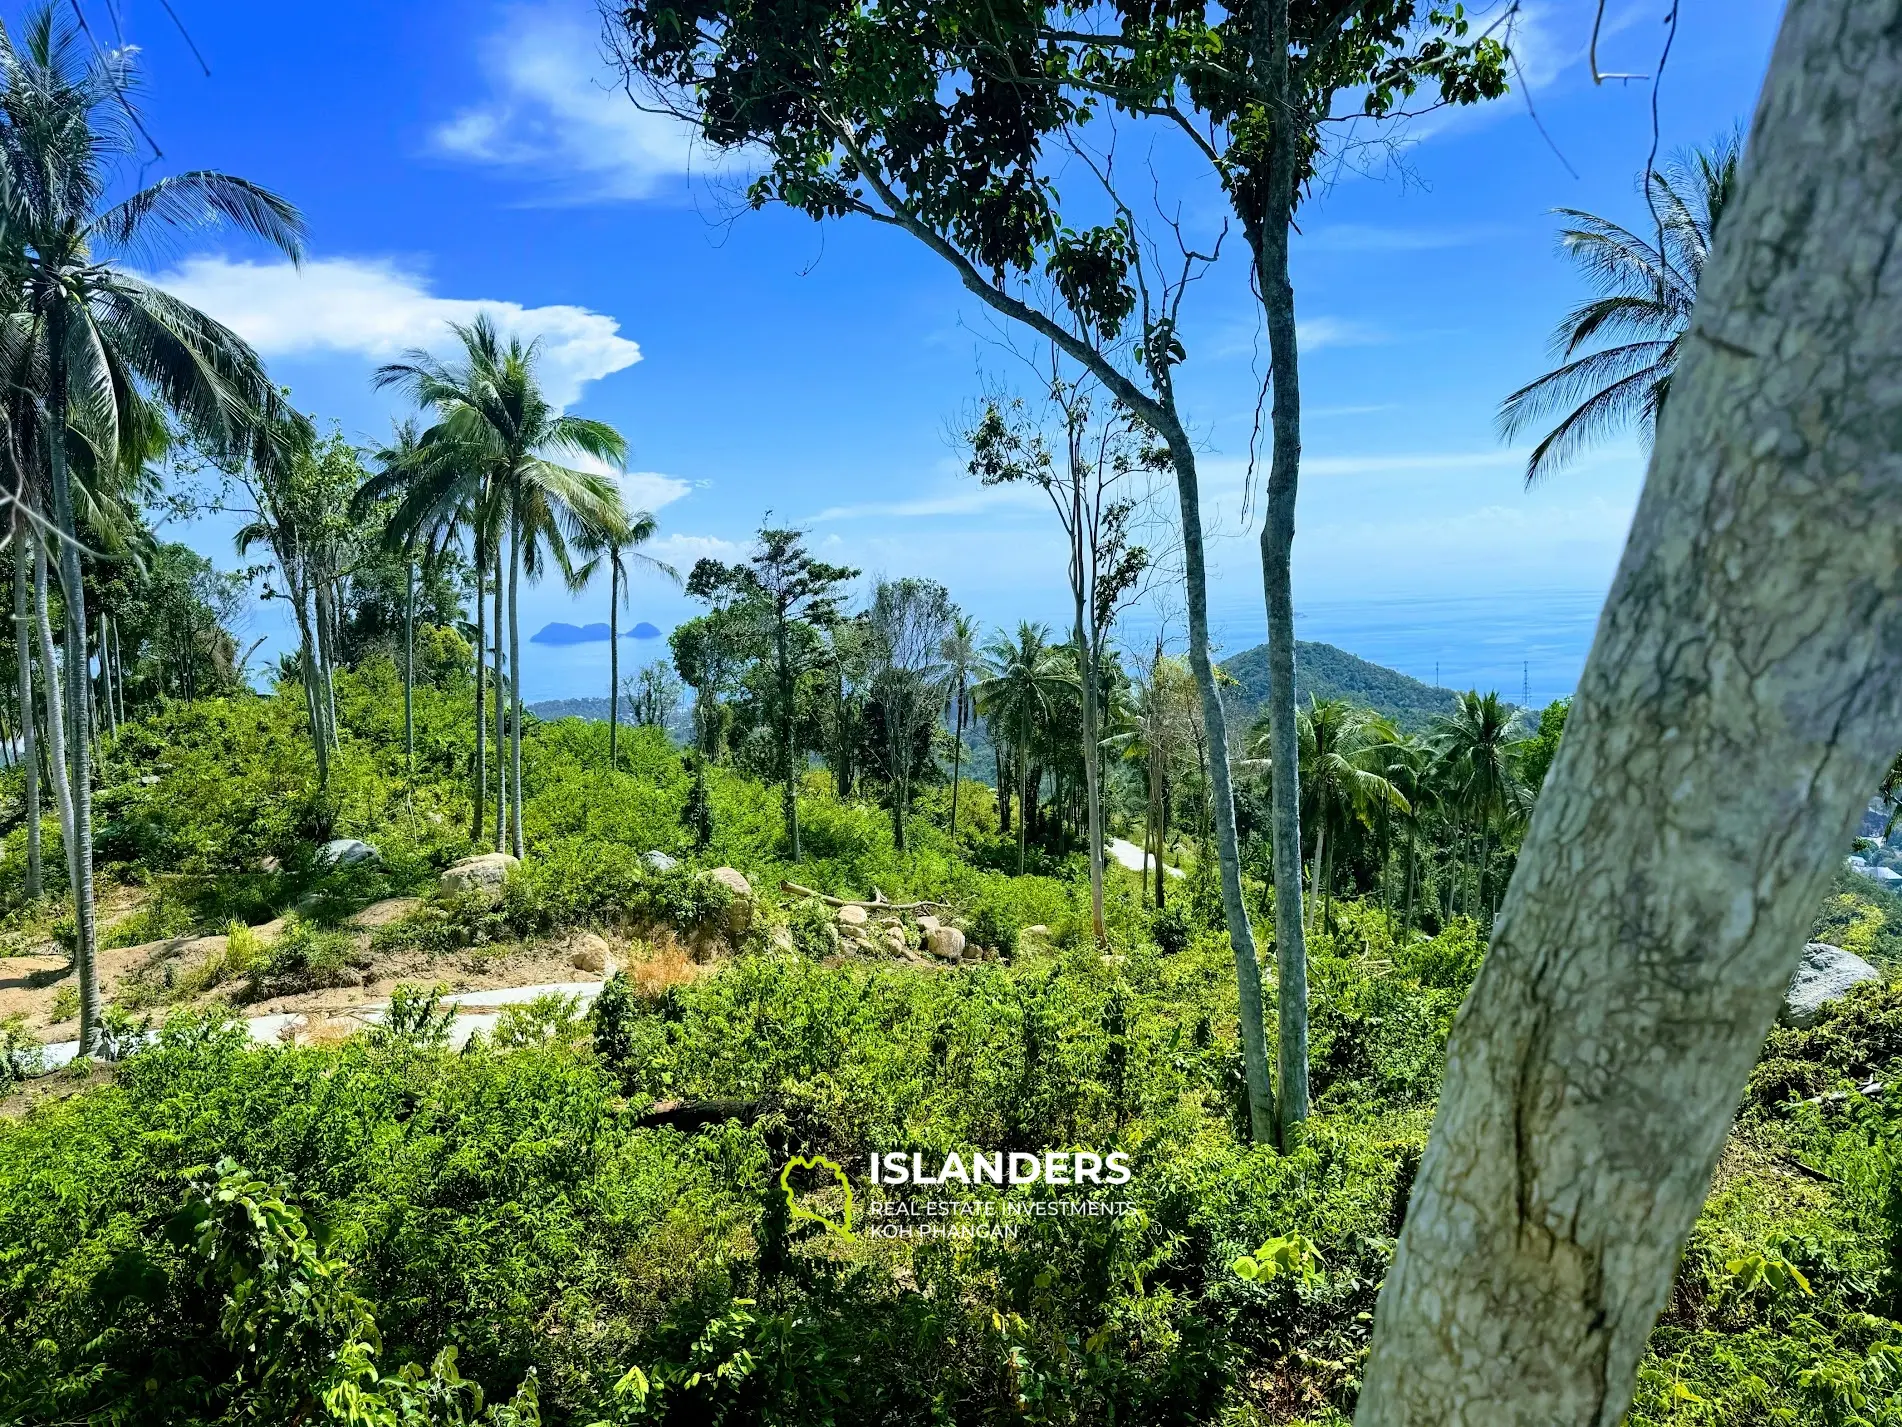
(815, 931)
(1171, 929)
(304, 958)
(991, 926)
(549, 1017)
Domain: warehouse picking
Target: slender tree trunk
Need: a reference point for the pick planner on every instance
(1003, 785)
(29, 753)
(1093, 799)
(118, 670)
(53, 677)
(1024, 792)
(1241, 935)
(409, 670)
(78, 688)
(313, 697)
(1269, 240)
(502, 681)
(790, 791)
(105, 678)
(1320, 846)
(1413, 881)
(614, 659)
(515, 662)
(1162, 842)
(481, 709)
(957, 753)
(1741, 699)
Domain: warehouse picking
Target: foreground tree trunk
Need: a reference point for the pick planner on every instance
(1241, 935)
(614, 659)
(501, 715)
(515, 667)
(481, 702)
(1268, 239)
(50, 680)
(29, 754)
(1742, 698)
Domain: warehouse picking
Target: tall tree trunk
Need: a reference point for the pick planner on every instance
(1003, 784)
(105, 678)
(52, 678)
(481, 709)
(1268, 236)
(1741, 700)
(1222, 811)
(29, 752)
(1092, 793)
(515, 663)
(502, 681)
(1162, 842)
(957, 752)
(78, 688)
(118, 670)
(409, 670)
(614, 659)
(1024, 791)
(1320, 846)
(789, 793)
(1406, 920)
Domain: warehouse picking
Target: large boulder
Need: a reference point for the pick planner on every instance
(852, 917)
(945, 942)
(347, 852)
(1825, 974)
(480, 877)
(589, 951)
(739, 914)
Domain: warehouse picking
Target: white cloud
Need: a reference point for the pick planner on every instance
(555, 107)
(643, 490)
(971, 499)
(681, 551)
(372, 308)
(1316, 334)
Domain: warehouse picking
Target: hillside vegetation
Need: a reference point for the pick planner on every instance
(579, 1220)
(1322, 671)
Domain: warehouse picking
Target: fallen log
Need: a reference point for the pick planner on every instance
(877, 904)
(693, 1115)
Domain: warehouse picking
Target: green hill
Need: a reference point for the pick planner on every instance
(1330, 673)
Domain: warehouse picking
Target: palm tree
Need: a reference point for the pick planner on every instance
(65, 124)
(615, 545)
(491, 406)
(1477, 750)
(1025, 677)
(1341, 750)
(1645, 291)
(442, 492)
(960, 660)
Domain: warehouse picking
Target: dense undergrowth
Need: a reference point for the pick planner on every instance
(582, 1222)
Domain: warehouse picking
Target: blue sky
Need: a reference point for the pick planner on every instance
(454, 157)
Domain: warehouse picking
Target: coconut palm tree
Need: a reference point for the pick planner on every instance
(1026, 677)
(1477, 749)
(615, 546)
(442, 493)
(1645, 288)
(959, 661)
(490, 405)
(1342, 748)
(66, 123)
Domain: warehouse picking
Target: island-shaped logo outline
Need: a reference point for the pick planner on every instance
(799, 1211)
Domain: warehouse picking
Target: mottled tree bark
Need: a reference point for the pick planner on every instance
(1742, 698)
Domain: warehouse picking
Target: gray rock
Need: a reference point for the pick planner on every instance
(658, 861)
(1826, 973)
(480, 876)
(347, 852)
(945, 942)
(739, 914)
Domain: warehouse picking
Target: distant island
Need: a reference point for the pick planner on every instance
(1322, 670)
(559, 633)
